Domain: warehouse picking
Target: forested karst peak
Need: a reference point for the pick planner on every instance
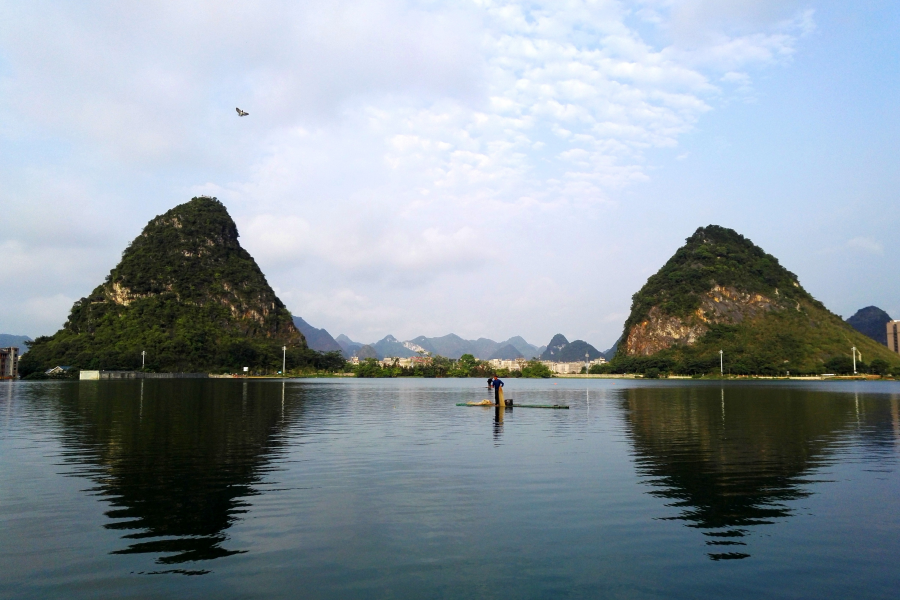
(721, 292)
(186, 293)
(712, 256)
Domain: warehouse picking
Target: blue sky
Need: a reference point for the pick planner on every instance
(478, 167)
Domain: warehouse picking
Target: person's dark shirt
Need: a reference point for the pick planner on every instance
(497, 383)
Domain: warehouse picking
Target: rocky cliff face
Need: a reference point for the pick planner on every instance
(726, 305)
(717, 277)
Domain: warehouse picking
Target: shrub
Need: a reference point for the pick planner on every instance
(535, 368)
(839, 365)
(880, 367)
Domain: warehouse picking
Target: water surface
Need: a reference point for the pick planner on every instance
(386, 489)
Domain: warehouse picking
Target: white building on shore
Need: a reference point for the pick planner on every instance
(570, 368)
(412, 361)
(512, 365)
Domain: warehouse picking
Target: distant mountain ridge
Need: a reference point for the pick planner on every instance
(8, 339)
(453, 346)
(450, 346)
(349, 346)
(562, 350)
(507, 352)
(317, 339)
(871, 321)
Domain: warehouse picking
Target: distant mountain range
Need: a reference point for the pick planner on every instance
(7, 340)
(871, 321)
(451, 346)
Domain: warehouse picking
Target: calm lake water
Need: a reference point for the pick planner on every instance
(385, 489)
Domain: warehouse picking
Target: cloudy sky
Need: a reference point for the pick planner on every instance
(488, 168)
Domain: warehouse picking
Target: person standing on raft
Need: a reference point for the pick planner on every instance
(490, 383)
(497, 393)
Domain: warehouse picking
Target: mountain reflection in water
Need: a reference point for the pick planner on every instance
(175, 460)
(731, 458)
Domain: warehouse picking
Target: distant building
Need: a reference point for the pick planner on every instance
(570, 368)
(412, 361)
(9, 363)
(58, 370)
(564, 368)
(893, 336)
(512, 365)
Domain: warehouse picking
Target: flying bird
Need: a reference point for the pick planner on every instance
(241, 113)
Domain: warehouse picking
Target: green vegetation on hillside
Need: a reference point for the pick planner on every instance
(772, 345)
(187, 294)
(800, 335)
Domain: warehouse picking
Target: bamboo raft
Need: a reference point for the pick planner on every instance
(492, 405)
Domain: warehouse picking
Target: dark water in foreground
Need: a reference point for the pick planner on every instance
(386, 489)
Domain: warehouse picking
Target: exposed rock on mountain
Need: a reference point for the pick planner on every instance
(555, 347)
(721, 292)
(185, 292)
(391, 346)
(659, 331)
(317, 339)
(561, 350)
(871, 321)
(507, 352)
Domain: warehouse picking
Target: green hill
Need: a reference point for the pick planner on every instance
(185, 292)
(721, 292)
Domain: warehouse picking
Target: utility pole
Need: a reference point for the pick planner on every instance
(587, 363)
(283, 359)
(721, 364)
(143, 355)
(853, 351)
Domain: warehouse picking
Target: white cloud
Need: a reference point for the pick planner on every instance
(865, 244)
(387, 141)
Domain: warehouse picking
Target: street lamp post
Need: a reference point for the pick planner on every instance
(283, 359)
(853, 351)
(587, 363)
(721, 364)
(143, 355)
